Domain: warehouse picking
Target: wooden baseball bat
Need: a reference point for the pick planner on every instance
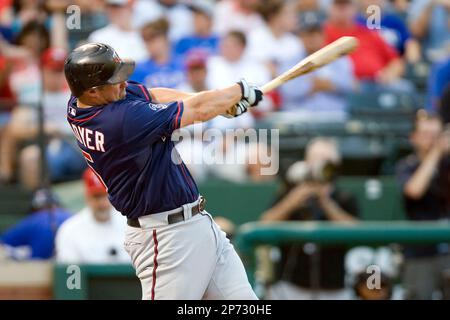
(327, 54)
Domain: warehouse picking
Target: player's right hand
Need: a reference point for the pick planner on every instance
(238, 109)
(251, 93)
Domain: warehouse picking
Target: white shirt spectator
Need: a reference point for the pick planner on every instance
(54, 114)
(128, 44)
(222, 73)
(263, 46)
(81, 239)
(209, 159)
(228, 17)
(297, 95)
(26, 84)
(436, 43)
(179, 16)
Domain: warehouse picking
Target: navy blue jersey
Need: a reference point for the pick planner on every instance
(128, 145)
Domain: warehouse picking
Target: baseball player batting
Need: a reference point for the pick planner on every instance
(124, 132)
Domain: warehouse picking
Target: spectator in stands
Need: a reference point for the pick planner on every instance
(33, 237)
(195, 68)
(323, 91)
(7, 100)
(22, 12)
(313, 5)
(64, 159)
(33, 38)
(445, 106)
(191, 146)
(424, 178)
(374, 61)
(96, 233)
(400, 7)
(311, 194)
(438, 81)
(212, 154)
(231, 65)
(163, 69)
(176, 11)
(25, 84)
(392, 28)
(273, 43)
(92, 17)
(120, 33)
(239, 15)
(237, 161)
(428, 22)
(203, 37)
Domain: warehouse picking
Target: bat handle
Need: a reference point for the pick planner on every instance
(271, 85)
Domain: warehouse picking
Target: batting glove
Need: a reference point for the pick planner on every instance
(251, 93)
(238, 109)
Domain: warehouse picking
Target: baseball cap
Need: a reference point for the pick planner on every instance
(53, 59)
(44, 199)
(92, 183)
(196, 59)
(310, 21)
(204, 6)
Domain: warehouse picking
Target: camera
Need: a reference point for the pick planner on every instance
(319, 172)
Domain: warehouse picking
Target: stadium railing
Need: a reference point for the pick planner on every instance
(254, 234)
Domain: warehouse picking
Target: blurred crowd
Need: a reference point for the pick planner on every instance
(196, 45)
(193, 45)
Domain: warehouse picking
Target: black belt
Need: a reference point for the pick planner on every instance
(174, 217)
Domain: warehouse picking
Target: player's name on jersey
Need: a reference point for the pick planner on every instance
(91, 139)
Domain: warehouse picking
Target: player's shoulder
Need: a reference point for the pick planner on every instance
(137, 91)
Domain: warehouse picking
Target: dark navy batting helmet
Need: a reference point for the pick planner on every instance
(95, 64)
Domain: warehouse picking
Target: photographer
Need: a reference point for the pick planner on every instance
(312, 195)
(424, 177)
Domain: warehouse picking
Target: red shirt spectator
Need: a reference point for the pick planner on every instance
(5, 4)
(373, 53)
(6, 95)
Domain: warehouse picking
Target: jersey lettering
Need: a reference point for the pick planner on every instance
(91, 139)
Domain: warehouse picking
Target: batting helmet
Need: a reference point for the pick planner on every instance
(95, 64)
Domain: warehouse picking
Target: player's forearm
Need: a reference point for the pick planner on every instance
(207, 105)
(165, 95)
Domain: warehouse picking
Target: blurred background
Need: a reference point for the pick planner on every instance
(360, 205)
